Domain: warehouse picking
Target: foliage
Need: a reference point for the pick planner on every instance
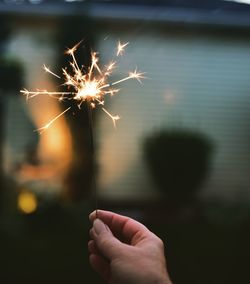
(10, 82)
(178, 161)
(11, 75)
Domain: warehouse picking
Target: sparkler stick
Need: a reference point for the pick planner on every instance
(88, 85)
(93, 156)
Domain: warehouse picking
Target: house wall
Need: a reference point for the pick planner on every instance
(197, 81)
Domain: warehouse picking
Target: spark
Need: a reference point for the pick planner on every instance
(113, 117)
(120, 48)
(49, 71)
(46, 126)
(85, 85)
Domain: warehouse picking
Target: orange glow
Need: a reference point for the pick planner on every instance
(55, 145)
(27, 202)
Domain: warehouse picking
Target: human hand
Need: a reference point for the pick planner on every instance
(123, 251)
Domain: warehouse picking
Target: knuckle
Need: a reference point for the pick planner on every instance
(159, 242)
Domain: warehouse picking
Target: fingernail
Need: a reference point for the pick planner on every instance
(99, 226)
(92, 215)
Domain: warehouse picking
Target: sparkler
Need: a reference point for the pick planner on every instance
(89, 85)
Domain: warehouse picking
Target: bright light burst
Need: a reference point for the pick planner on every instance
(85, 84)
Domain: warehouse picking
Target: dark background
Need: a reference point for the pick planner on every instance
(207, 240)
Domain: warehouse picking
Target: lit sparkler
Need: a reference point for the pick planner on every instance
(86, 85)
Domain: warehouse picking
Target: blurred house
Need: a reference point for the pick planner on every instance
(196, 56)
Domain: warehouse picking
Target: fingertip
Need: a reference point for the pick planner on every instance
(93, 260)
(92, 234)
(91, 216)
(92, 247)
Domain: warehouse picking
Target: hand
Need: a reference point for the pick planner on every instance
(124, 251)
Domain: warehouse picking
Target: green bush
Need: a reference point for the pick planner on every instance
(178, 161)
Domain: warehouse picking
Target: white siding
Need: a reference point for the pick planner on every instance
(196, 82)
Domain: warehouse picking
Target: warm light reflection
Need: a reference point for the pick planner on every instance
(27, 202)
(44, 161)
(55, 145)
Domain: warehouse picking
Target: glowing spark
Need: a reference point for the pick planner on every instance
(132, 75)
(89, 85)
(137, 76)
(46, 126)
(120, 48)
(113, 117)
(49, 71)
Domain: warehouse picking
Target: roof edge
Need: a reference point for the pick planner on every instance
(126, 12)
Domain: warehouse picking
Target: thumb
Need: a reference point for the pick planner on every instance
(106, 242)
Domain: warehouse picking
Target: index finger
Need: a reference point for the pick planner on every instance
(121, 225)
